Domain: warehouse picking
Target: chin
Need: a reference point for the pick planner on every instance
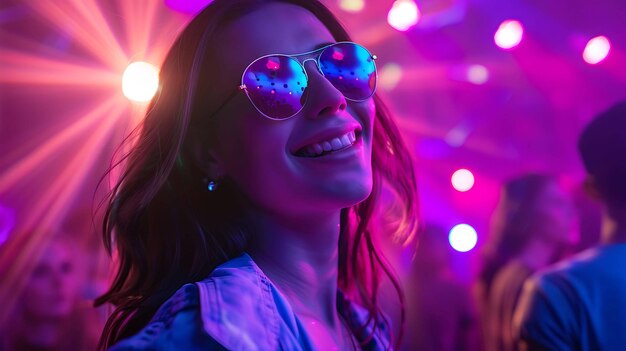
(353, 193)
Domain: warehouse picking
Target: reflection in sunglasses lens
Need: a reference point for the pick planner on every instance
(275, 85)
(350, 68)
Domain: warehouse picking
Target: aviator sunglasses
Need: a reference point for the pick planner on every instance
(276, 84)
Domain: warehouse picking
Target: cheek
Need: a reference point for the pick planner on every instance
(365, 112)
(256, 154)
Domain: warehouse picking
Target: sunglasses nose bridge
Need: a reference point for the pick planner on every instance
(315, 63)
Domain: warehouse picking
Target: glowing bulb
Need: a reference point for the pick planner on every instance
(509, 34)
(140, 81)
(403, 15)
(462, 180)
(352, 5)
(597, 50)
(477, 74)
(390, 75)
(463, 237)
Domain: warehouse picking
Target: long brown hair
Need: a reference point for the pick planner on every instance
(516, 222)
(168, 232)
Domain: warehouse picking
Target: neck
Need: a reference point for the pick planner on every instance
(614, 227)
(301, 259)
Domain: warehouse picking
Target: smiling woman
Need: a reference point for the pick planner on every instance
(242, 218)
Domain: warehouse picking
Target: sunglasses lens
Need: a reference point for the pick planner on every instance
(351, 69)
(275, 85)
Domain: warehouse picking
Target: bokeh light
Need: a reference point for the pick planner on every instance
(477, 74)
(463, 237)
(352, 5)
(140, 81)
(462, 180)
(597, 50)
(509, 34)
(403, 15)
(389, 76)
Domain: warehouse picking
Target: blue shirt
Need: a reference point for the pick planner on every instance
(238, 308)
(579, 304)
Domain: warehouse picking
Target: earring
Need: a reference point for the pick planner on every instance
(211, 185)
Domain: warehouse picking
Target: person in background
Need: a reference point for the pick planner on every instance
(441, 315)
(580, 303)
(51, 312)
(534, 225)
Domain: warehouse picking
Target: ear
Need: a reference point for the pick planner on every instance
(208, 160)
(591, 188)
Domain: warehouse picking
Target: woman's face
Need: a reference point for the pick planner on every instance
(51, 291)
(261, 155)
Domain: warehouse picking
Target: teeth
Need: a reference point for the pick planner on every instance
(333, 144)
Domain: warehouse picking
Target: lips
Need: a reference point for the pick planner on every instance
(326, 145)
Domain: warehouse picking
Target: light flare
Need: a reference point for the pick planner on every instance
(509, 34)
(463, 237)
(140, 81)
(52, 173)
(597, 50)
(49, 211)
(84, 22)
(403, 15)
(462, 180)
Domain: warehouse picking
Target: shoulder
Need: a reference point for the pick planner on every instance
(175, 326)
(238, 306)
(227, 310)
(582, 269)
(556, 299)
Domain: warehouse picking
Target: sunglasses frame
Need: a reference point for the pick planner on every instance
(315, 59)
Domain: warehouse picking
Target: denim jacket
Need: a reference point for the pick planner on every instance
(238, 308)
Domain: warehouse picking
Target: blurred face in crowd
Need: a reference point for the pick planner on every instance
(52, 289)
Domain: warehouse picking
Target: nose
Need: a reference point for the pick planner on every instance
(322, 98)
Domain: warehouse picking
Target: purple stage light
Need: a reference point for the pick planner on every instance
(187, 6)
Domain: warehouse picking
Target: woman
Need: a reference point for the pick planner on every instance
(533, 225)
(255, 175)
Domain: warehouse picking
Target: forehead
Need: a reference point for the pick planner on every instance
(274, 28)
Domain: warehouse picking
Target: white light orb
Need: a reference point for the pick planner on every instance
(509, 34)
(463, 237)
(140, 81)
(403, 15)
(597, 50)
(462, 180)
